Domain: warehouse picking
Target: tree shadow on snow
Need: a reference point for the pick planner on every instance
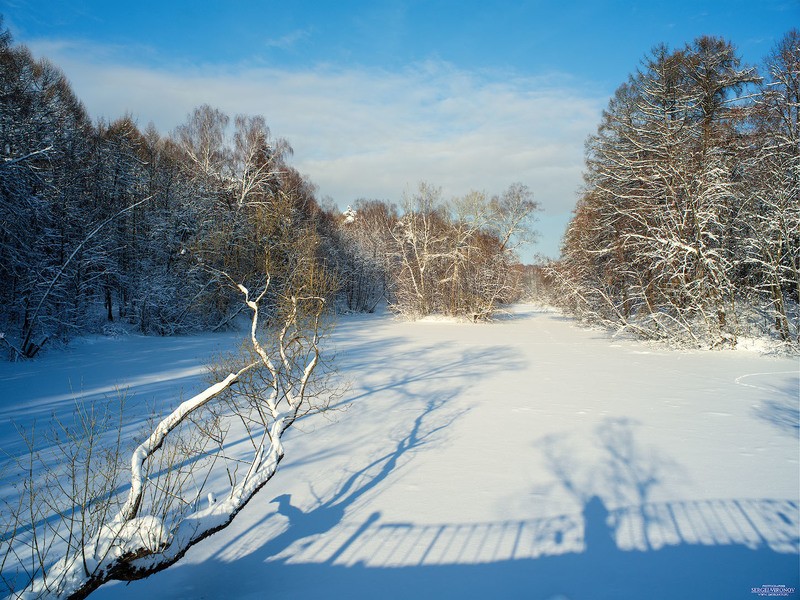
(618, 544)
(571, 557)
(781, 407)
(305, 526)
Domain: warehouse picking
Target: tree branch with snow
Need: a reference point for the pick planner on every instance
(166, 511)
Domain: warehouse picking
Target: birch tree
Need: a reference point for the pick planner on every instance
(420, 243)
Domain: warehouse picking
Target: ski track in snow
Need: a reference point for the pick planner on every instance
(527, 458)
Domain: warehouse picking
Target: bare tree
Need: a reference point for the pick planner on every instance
(202, 137)
(362, 250)
(770, 229)
(456, 257)
(257, 160)
(420, 237)
(176, 496)
(653, 243)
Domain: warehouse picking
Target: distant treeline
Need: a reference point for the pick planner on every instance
(104, 223)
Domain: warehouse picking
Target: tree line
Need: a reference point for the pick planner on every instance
(687, 227)
(104, 223)
(455, 257)
(688, 224)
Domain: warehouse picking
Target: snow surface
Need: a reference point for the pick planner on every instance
(527, 458)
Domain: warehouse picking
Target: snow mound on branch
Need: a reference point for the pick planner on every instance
(142, 533)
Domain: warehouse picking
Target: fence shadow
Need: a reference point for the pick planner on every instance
(702, 549)
(718, 549)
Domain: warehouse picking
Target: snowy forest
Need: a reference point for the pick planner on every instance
(686, 231)
(104, 223)
(688, 227)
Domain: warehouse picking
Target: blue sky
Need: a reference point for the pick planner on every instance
(377, 96)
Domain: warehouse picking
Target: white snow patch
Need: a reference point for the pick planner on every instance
(468, 460)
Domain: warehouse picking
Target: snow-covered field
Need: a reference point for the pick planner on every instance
(528, 458)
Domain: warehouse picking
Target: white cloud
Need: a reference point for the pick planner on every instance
(289, 40)
(371, 133)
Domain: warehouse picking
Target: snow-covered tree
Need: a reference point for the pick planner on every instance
(770, 227)
(44, 149)
(455, 257)
(360, 248)
(653, 243)
(99, 534)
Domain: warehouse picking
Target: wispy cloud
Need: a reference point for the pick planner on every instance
(373, 133)
(289, 40)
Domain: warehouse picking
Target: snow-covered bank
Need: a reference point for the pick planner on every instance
(146, 371)
(526, 458)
